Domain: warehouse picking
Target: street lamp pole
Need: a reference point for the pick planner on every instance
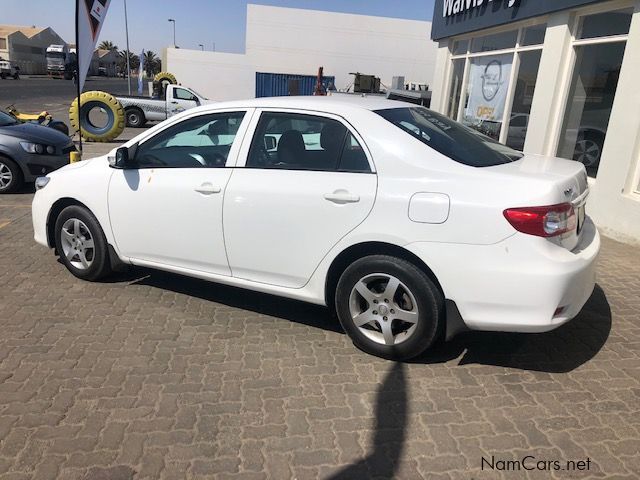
(214, 46)
(126, 29)
(201, 46)
(174, 31)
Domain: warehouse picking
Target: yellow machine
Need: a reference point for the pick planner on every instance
(43, 118)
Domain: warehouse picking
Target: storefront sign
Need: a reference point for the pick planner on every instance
(455, 17)
(454, 7)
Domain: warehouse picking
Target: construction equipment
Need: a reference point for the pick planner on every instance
(43, 118)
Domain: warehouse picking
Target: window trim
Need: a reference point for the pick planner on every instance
(232, 158)
(255, 120)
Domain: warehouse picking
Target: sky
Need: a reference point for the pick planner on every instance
(197, 21)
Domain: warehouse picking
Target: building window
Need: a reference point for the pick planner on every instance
(599, 50)
(498, 75)
(3, 43)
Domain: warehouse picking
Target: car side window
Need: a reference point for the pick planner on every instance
(353, 158)
(199, 142)
(293, 141)
(182, 94)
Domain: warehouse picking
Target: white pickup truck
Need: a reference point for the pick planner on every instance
(175, 99)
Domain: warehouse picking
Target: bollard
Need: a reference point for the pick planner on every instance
(75, 157)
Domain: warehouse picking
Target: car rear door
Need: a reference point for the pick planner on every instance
(303, 182)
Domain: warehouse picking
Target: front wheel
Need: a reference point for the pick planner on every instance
(10, 176)
(81, 244)
(389, 307)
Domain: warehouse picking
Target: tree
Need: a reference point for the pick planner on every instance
(107, 45)
(134, 61)
(152, 64)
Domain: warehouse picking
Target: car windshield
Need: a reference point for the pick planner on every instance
(6, 119)
(450, 138)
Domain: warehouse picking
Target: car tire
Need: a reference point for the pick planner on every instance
(81, 244)
(389, 307)
(135, 118)
(79, 117)
(11, 178)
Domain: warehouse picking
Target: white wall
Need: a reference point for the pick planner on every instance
(297, 41)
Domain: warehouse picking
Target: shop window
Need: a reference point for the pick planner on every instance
(498, 41)
(460, 47)
(455, 88)
(487, 87)
(605, 24)
(534, 35)
(593, 89)
(523, 98)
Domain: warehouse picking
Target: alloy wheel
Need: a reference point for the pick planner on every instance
(77, 243)
(383, 309)
(587, 152)
(6, 177)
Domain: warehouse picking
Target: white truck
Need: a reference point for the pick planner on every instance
(167, 101)
(61, 61)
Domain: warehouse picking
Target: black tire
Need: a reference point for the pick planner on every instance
(428, 299)
(9, 168)
(135, 117)
(16, 76)
(3, 76)
(100, 266)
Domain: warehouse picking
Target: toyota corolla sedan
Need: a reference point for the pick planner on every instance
(409, 225)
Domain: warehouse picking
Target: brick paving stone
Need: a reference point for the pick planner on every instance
(152, 375)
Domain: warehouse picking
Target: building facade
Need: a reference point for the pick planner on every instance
(551, 77)
(25, 47)
(298, 41)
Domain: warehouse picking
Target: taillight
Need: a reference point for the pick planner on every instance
(549, 221)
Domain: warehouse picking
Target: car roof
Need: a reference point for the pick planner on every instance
(337, 103)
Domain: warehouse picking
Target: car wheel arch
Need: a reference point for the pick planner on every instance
(57, 208)
(364, 249)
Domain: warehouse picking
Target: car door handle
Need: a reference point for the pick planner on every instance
(341, 197)
(208, 189)
(174, 102)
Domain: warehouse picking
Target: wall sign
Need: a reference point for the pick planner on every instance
(455, 17)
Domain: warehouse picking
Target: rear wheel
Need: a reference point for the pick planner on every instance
(135, 118)
(389, 307)
(81, 244)
(10, 176)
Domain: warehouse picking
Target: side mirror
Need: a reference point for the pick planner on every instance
(124, 158)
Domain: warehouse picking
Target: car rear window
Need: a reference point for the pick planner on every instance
(452, 139)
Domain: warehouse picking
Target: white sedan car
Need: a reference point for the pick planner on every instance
(409, 224)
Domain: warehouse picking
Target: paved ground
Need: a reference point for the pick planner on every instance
(151, 375)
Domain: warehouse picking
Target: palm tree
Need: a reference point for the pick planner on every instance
(107, 45)
(134, 61)
(152, 63)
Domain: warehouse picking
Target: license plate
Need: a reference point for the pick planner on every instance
(581, 218)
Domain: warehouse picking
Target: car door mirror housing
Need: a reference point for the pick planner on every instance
(124, 158)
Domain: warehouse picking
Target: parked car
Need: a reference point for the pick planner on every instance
(28, 150)
(172, 99)
(8, 70)
(410, 225)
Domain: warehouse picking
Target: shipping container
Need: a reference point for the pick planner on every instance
(284, 84)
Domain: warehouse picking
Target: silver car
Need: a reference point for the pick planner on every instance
(28, 151)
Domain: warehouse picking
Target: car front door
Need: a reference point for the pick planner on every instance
(168, 210)
(306, 182)
(182, 100)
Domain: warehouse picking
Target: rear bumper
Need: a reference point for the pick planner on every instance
(517, 285)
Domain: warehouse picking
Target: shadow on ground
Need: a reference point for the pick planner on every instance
(391, 417)
(559, 351)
